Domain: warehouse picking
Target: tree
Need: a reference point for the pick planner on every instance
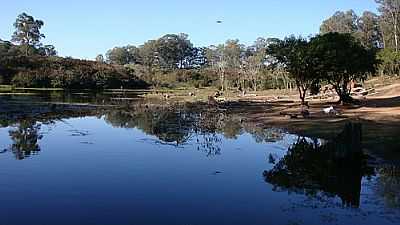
(369, 32)
(27, 32)
(340, 58)
(390, 19)
(389, 61)
(133, 54)
(174, 50)
(234, 54)
(253, 66)
(217, 61)
(100, 58)
(255, 60)
(25, 139)
(196, 58)
(47, 50)
(149, 54)
(118, 55)
(332, 168)
(340, 22)
(294, 54)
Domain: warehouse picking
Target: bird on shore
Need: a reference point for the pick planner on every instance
(329, 110)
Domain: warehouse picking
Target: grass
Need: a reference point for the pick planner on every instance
(6, 87)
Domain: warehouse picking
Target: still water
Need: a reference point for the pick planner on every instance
(178, 165)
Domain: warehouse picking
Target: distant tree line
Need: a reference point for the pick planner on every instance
(26, 62)
(348, 48)
(373, 31)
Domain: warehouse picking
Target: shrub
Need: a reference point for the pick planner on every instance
(389, 62)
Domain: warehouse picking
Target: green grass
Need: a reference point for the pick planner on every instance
(6, 87)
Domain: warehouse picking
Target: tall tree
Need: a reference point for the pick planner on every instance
(27, 32)
(390, 20)
(340, 22)
(217, 60)
(133, 54)
(149, 54)
(339, 59)
(118, 55)
(196, 58)
(369, 32)
(173, 50)
(100, 58)
(255, 60)
(294, 54)
(234, 54)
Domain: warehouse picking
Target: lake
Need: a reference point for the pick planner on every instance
(123, 160)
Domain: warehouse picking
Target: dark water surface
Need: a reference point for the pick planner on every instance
(169, 164)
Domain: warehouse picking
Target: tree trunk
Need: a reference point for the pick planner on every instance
(26, 50)
(343, 93)
(222, 77)
(395, 27)
(302, 93)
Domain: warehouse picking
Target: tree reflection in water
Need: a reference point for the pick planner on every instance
(388, 185)
(334, 168)
(172, 125)
(312, 167)
(25, 138)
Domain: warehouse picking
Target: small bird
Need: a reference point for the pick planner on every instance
(219, 21)
(329, 110)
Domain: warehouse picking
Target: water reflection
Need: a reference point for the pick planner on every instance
(25, 136)
(334, 167)
(388, 185)
(310, 166)
(178, 125)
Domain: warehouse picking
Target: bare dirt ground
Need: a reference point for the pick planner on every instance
(379, 115)
(383, 106)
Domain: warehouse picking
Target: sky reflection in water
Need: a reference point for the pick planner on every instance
(179, 167)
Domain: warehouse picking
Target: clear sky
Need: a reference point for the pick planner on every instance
(85, 28)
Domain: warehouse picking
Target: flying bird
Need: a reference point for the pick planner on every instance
(219, 21)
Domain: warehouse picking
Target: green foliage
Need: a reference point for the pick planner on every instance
(179, 78)
(123, 55)
(47, 50)
(27, 31)
(369, 31)
(295, 55)
(340, 22)
(339, 59)
(30, 79)
(365, 29)
(389, 22)
(67, 73)
(389, 62)
(100, 58)
(173, 49)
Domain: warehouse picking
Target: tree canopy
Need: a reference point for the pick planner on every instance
(27, 31)
(339, 59)
(295, 56)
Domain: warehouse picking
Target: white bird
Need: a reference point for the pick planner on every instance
(329, 110)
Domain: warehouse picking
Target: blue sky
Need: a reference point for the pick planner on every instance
(85, 28)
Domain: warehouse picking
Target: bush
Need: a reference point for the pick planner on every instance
(30, 79)
(38, 71)
(389, 62)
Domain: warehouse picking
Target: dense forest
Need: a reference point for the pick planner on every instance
(349, 47)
